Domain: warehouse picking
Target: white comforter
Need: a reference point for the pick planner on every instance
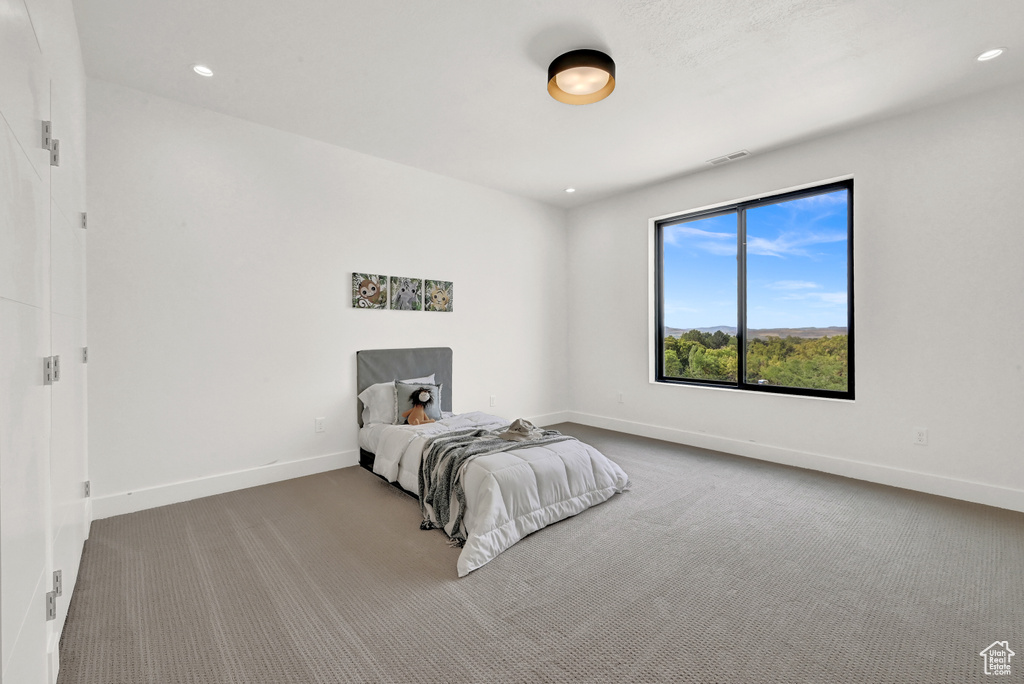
(508, 494)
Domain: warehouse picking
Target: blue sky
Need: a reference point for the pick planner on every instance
(796, 266)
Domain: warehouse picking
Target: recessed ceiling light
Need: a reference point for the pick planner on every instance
(570, 190)
(991, 54)
(202, 70)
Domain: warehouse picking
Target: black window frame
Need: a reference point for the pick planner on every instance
(741, 292)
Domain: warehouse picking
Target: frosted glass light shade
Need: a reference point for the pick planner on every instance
(582, 80)
(581, 77)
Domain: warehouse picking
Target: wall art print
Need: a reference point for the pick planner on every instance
(439, 295)
(369, 291)
(406, 293)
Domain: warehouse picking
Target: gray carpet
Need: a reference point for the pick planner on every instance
(713, 569)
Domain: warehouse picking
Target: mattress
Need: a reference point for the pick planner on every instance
(398, 449)
(508, 494)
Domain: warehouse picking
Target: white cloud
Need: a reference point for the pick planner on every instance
(721, 244)
(791, 243)
(797, 239)
(829, 199)
(832, 297)
(792, 285)
(821, 298)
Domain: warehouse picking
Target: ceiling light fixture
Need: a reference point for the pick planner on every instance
(202, 70)
(991, 54)
(570, 190)
(581, 77)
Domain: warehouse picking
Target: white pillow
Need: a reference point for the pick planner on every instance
(380, 405)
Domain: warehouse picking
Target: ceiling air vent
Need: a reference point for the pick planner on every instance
(728, 158)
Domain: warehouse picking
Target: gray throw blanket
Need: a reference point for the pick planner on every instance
(441, 472)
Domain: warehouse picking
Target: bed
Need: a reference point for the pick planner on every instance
(492, 499)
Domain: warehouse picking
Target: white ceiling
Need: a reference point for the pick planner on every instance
(458, 87)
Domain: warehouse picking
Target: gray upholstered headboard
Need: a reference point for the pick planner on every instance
(385, 365)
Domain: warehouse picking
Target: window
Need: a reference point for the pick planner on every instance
(758, 295)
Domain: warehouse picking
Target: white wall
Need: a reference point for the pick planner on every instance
(939, 211)
(44, 515)
(221, 321)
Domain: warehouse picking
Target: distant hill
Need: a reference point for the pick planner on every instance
(806, 333)
(676, 332)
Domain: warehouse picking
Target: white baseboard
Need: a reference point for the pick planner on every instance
(53, 655)
(176, 492)
(551, 418)
(965, 490)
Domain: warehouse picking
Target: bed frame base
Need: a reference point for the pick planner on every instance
(366, 461)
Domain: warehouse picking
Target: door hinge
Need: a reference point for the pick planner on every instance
(85, 355)
(50, 143)
(51, 370)
(88, 489)
(85, 221)
(51, 605)
(58, 582)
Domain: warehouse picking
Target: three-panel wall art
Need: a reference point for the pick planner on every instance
(370, 291)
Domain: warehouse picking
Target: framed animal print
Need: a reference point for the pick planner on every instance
(406, 293)
(438, 295)
(369, 291)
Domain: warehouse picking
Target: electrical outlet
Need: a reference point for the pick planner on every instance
(921, 436)
(494, 399)
(622, 398)
(318, 424)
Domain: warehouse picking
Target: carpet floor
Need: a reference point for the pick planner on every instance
(712, 569)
